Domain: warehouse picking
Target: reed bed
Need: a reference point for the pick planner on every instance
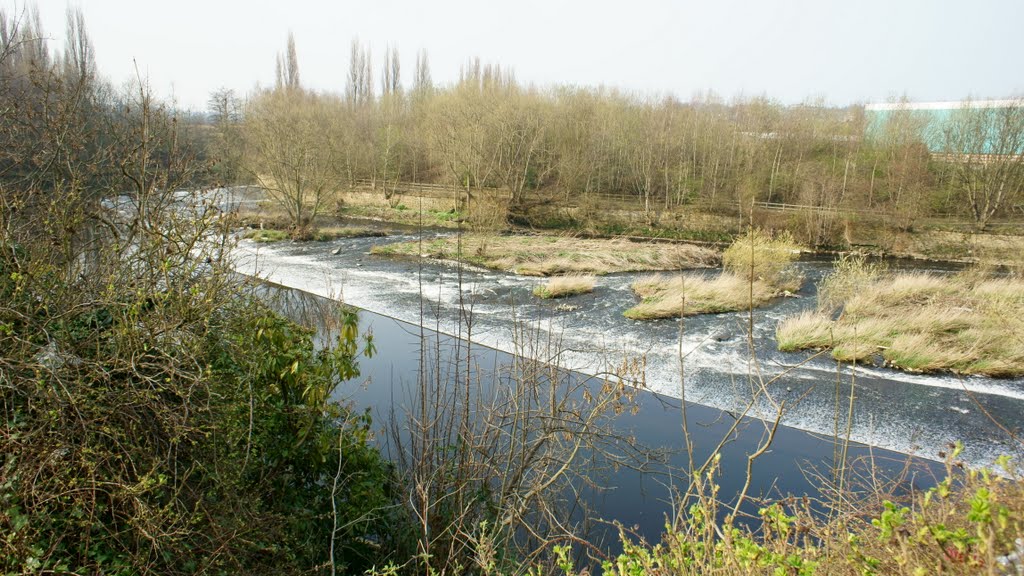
(756, 268)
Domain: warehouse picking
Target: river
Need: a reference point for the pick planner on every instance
(908, 413)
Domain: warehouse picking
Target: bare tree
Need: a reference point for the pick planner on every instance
(292, 64)
(359, 89)
(291, 154)
(519, 127)
(225, 114)
(422, 82)
(984, 153)
(390, 81)
(79, 54)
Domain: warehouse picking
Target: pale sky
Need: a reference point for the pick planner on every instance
(790, 50)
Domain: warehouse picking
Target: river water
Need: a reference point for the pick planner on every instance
(907, 413)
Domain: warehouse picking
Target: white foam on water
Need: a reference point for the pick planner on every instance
(596, 349)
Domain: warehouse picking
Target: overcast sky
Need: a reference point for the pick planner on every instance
(791, 50)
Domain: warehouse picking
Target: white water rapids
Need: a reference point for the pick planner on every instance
(910, 413)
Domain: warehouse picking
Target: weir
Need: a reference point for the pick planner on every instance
(909, 413)
(638, 493)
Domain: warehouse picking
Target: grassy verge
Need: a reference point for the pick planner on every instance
(757, 268)
(553, 255)
(562, 286)
(969, 323)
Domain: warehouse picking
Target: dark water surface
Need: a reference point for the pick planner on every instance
(641, 501)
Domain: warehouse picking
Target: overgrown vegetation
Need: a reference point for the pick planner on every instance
(266, 235)
(969, 523)
(552, 255)
(969, 323)
(157, 418)
(756, 268)
(562, 286)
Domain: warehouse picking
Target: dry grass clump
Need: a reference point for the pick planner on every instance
(316, 234)
(563, 286)
(335, 232)
(686, 295)
(756, 268)
(557, 255)
(266, 235)
(804, 331)
(968, 323)
(759, 256)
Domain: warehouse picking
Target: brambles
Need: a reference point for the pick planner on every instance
(155, 417)
(968, 522)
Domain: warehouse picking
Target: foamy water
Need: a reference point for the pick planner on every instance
(909, 413)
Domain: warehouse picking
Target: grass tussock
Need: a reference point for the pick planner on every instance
(337, 232)
(968, 323)
(556, 255)
(756, 268)
(760, 256)
(267, 235)
(563, 286)
(689, 294)
(325, 234)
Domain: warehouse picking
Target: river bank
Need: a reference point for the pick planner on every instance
(934, 239)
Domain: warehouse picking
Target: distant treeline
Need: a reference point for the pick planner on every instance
(487, 131)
